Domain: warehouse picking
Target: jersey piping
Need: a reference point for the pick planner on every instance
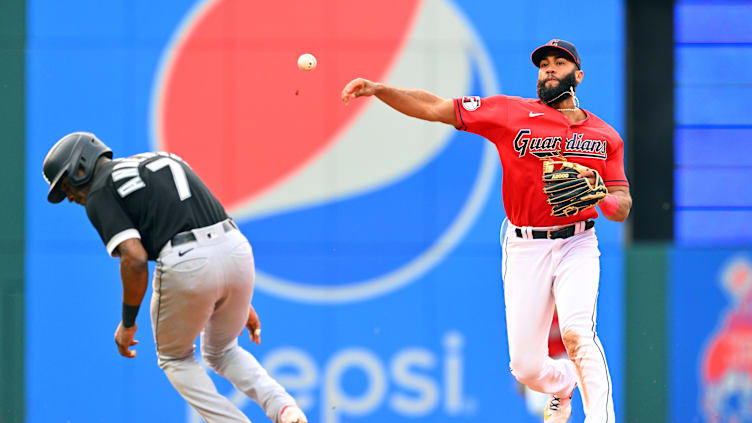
(113, 243)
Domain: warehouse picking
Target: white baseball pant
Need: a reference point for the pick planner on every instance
(540, 274)
(205, 287)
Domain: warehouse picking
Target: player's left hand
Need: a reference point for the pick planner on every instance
(254, 326)
(124, 340)
(571, 187)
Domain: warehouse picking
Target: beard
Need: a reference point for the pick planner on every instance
(548, 94)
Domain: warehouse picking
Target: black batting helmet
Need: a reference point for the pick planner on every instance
(75, 156)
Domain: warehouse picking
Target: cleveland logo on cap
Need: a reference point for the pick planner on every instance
(558, 44)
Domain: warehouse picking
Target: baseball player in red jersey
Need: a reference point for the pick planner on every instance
(548, 261)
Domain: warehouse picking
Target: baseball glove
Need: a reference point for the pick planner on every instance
(567, 194)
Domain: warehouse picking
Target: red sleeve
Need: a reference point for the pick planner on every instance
(614, 173)
(480, 115)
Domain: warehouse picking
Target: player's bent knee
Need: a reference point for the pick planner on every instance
(216, 360)
(169, 363)
(526, 371)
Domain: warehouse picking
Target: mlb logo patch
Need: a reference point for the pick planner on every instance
(470, 103)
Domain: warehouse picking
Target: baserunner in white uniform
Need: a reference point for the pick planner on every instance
(152, 206)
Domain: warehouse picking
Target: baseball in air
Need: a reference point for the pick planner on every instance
(306, 62)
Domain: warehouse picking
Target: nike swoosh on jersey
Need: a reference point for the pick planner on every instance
(182, 253)
(531, 114)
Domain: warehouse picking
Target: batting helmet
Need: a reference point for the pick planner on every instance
(75, 156)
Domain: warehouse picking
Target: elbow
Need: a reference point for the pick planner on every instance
(620, 218)
(135, 262)
(628, 209)
(133, 256)
(616, 217)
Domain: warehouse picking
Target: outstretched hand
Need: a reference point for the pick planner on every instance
(254, 326)
(358, 87)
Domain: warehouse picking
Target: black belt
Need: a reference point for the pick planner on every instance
(188, 236)
(562, 233)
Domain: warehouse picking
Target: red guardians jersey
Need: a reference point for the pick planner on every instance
(526, 131)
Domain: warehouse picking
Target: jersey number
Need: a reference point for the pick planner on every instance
(129, 168)
(178, 175)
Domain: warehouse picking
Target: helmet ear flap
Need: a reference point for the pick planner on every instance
(76, 168)
(89, 150)
(77, 175)
(81, 171)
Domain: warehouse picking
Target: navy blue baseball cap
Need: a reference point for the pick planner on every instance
(557, 45)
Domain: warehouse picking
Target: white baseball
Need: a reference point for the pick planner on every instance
(306, 62)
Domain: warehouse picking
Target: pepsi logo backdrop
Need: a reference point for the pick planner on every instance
(375, 235)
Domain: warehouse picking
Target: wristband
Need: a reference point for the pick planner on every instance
(609, 205)
(129, 315)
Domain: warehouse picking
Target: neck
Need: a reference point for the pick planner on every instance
(572, 113)
(102, 160)
(567, 103)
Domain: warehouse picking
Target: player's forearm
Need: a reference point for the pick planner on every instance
(134, 273)
(617, 205)
(417, 103)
